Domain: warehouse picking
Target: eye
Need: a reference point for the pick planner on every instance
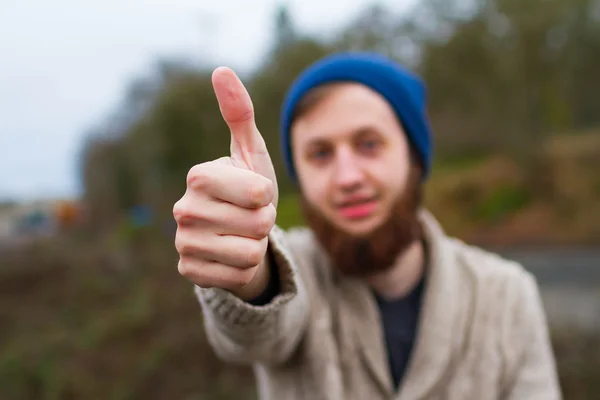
(320, 154)
(369, 145)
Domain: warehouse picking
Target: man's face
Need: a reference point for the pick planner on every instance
(352, 157)
(359, 187)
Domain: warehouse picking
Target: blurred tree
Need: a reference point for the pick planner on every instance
(501, 76)
(285, 31)
(374, 30)
(183, 128)
(100, 182)
(268, 86)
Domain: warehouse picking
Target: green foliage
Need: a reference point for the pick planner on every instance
(460, 161)
(268, 88)
(81, 326)
(289, 213)
(504, 200)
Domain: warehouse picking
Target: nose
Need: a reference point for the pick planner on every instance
(347, 174)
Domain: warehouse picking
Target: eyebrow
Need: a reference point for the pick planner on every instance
(365, 131)
(318, 142)
(360, 132)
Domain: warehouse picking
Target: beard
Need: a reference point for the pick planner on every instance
(376, 251)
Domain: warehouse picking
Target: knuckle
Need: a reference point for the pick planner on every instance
(184, 268)
(180, 243)
(192, 270)
(184, 247)
(198, 177)
(180, 210)
(254, 195)
(190, 208)
(265, 220)
(186, 243)
(178, 240)
(269, 190)
(254, 254)
(184, 209)
(258, 192)
(272, 211)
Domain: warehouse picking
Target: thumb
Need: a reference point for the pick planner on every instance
(248, 148)
(238, 112)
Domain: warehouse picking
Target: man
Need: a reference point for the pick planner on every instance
(372, 300)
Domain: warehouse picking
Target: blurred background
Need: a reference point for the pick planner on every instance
(105, 106)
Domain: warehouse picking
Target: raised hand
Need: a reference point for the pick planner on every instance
(229, 207)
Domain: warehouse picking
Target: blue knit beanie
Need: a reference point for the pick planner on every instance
(403, 90)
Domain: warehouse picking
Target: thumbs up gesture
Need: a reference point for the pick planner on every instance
(229, 208)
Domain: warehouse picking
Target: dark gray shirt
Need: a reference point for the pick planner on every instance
(400, 321)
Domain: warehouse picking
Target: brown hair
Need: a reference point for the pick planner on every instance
(312, 99)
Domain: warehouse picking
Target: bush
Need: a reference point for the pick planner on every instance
(82, 324)
(504, 200)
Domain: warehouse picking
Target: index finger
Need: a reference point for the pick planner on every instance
(239, 186)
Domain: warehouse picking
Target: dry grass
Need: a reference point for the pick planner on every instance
(78, 326)
(82, 327)
(495, 201)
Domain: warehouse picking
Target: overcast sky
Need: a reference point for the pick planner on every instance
(64, 65)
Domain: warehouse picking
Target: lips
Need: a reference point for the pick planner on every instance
(358, 207)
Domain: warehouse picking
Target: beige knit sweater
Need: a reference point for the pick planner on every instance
(482, 334)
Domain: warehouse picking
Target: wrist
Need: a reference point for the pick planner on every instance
(258, 284)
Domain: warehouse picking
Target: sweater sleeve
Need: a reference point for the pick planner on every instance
(244, 332)
(534, 374)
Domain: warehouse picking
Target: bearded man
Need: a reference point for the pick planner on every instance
(371, 300)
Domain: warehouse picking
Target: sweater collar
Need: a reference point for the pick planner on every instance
(437, 328)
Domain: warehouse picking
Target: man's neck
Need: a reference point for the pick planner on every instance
(402, 278)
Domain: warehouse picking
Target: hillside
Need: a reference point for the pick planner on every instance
(498, 202)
